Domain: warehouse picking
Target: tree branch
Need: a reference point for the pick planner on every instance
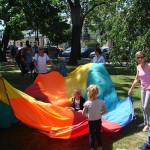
(92, 9)
(77, 2)
(70, 3)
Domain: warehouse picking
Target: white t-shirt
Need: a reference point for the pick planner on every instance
(41, 62)
(94, 108)
(77, 104)
(99, 59)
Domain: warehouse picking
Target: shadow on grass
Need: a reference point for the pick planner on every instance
(117, 70)
(22, 137)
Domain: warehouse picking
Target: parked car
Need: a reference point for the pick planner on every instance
(105, 53)
(89, 51)
(66, 52)
(83, 51)
(52, 51)
(92, 54)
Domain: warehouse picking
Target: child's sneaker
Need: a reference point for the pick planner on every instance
(145, 129)
(144, 147)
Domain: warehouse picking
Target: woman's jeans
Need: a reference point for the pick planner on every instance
(95, 128)
(148, 139)
(145, 99)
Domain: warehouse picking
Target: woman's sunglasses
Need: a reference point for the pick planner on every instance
(140, 57)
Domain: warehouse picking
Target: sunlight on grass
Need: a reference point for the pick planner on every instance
(130, 142)
(11, 71)
(132, 139)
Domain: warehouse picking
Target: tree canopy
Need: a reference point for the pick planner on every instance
(126, 23)
(19, 15)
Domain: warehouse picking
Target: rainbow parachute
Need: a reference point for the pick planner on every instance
(51, 117)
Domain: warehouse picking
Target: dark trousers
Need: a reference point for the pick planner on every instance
(95, 128)
(35, 75)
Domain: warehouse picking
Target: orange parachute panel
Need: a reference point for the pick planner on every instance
(51, 87)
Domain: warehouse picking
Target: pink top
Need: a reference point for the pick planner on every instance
(144, 75)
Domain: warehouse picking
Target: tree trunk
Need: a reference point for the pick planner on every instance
(76, 34)
(3, 47)
(75, 45)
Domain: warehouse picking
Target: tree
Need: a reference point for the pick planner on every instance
(93, 44)
(133, 24)
(127, 24)
(35, 15)
(56, 29)
(13, 20)
(79, 10)
(16, 35)
(47, 20)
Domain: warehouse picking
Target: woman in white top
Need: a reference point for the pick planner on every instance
(98, 58)
(40, 62)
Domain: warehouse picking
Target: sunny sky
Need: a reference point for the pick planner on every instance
(1, 27)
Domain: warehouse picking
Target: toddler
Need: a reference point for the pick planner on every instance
(77, 101)
(95, 108)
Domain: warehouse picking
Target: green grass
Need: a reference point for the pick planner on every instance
(21, 137)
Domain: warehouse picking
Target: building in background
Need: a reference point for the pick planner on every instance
(32, 40)
(43, 41)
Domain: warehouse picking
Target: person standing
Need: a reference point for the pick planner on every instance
(95, 109)
(23, 62)
(40, 62)
(143, 75)
(29, 61)
(98, 58)
(62, 66)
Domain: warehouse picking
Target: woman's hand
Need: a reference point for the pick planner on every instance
(54, 67)
(130, 92)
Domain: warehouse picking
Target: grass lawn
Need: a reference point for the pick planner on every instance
(22, 137)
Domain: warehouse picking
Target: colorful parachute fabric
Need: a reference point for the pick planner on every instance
(51, 117)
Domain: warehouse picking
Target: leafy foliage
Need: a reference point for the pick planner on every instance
(127, 24)
(43, 16)
(93, 44)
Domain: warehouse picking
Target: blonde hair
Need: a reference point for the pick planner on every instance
(92, 92)
(139, 53)
(76, 90)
